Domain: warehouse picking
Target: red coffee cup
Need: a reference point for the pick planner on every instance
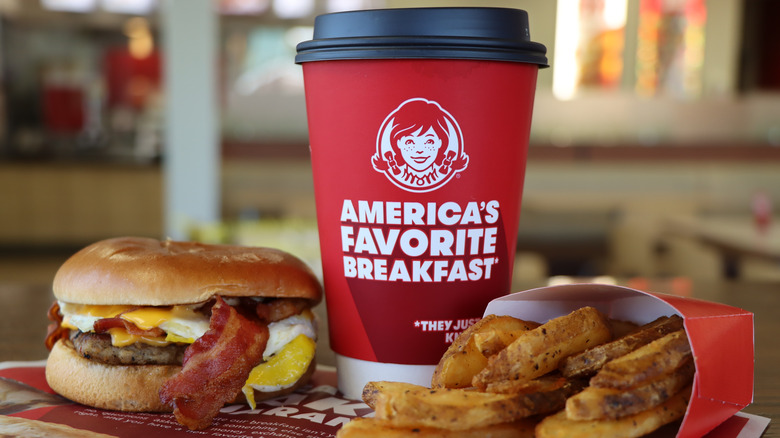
(418, 122)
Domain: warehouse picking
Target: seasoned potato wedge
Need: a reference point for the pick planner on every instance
(645, 363)
(499, 332)
(471, 349)
(541, 384)
(590, 361)
(377, 428)
(539, 351)
(608, 403)
(559, 426)
(459, 409)
(372, 390)
(621, 327)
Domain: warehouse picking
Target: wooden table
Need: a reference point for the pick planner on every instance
(23, 327)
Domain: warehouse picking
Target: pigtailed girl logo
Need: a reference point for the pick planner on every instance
(419, 146)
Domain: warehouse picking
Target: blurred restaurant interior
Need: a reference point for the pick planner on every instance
(654, 150)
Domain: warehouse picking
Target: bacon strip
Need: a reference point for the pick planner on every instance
(55, 331)
(215, 367)
(104, 324)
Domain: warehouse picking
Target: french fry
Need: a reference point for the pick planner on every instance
(539, 351)
(645, 363)
(377, 428)
(590, 361)
(469, 353)
(642, 423)
(460, 409)
(607, 403)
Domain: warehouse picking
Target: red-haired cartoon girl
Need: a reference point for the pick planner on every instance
(420, 146)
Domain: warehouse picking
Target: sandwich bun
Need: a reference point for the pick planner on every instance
(150, 272)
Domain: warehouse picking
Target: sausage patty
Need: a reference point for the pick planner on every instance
(98, 347)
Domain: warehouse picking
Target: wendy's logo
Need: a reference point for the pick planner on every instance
(419, 146)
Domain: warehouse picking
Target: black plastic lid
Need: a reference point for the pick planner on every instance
(499, 34)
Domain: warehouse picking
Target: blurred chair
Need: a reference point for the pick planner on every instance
(639, 245)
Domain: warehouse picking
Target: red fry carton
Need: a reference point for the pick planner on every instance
(721, 339)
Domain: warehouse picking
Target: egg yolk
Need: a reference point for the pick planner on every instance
(282, 370)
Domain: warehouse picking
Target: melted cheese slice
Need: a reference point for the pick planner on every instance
(121, 338)
(181, 323)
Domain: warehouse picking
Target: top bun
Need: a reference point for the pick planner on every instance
(149, 272)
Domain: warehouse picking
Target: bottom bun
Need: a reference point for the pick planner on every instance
(128, 388)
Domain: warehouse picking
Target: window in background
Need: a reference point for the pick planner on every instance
(137, 7)
(591, 36)
(351, 5)
(267, 60)
(670, 47)
(115, 6)
(263, 94)
(589, 40)
(292, 9)
(243, 7)
(69, 5)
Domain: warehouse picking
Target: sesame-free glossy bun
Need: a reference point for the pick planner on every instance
(143, 271)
